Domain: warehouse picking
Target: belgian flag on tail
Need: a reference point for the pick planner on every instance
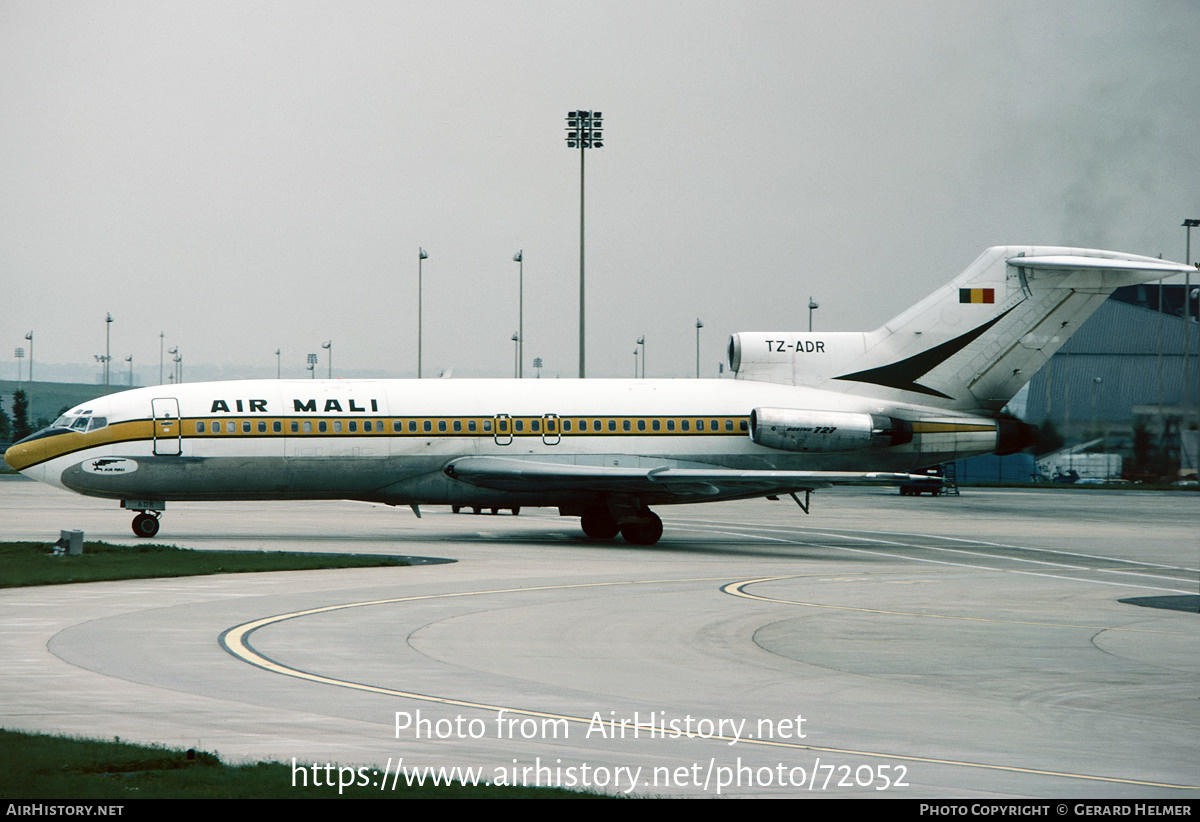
(977, 295)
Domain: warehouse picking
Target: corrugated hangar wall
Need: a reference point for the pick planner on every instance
(1120, 345)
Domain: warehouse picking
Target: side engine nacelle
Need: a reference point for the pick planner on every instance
(790, 429)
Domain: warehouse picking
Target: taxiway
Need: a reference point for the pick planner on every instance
(977, 646)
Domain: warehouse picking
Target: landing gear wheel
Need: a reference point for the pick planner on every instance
(598, 523)
(145, 525)
(645, 530)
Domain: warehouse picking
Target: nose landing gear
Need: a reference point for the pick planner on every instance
(145, 524)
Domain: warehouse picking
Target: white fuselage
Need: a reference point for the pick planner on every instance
(389, 440)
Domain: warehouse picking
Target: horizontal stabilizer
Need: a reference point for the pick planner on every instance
(1155, 268)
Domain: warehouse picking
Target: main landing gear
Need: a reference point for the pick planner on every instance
(642, 528)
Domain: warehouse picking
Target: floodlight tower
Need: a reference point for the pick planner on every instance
(519, 258)
(108, 320)
(422, 256)
(584, 131)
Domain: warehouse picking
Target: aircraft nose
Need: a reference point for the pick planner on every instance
(28, 454)
(17, 455)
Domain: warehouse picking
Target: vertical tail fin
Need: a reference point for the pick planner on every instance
(972, 343)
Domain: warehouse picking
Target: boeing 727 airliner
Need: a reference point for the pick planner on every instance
(808, 410)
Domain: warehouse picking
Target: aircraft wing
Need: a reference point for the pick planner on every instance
(508, 474)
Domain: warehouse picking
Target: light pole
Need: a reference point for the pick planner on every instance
(312, 365)
(1188, 225)
(161, 339)
(278, 363)
(699, 325)
(328, 346)
(422, 256)
(178, 368)
(175, 358)
(519, 258)
(129, 360)
(20, 355)
(537, 363)
(635, 363)
(813, 305)
(642, 343)
(583, 132)
(29, 337)
(107, 338)
(516, 353)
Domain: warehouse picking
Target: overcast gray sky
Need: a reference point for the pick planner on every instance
(246, 176)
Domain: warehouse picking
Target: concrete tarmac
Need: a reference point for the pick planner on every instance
(887, 646)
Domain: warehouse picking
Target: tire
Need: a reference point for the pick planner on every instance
(598, 523)
(145, 525)
(645, 531)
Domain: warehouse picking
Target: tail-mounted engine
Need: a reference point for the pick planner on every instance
(790, 429)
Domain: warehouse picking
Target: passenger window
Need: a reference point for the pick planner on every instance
(367, 426)
(246, 426)
(397, 426)
(670, 425)
(308, 426)
(699, 425)
(487, 426)
(231, 427)
(277, 427)
(535, 425)
(353, 426)
(656, 425)
(742, 426)
(684, 425)
(337, 426)
(412, 426)
(295, 427)
(520, 425)
(457, 426)
(262, 426)
(566, 425)
(428, 426)
(626, 425)
(728, 425)
(441, 426)
(641, 425)
(322, 426)
(612, 425)
(583, 425)
(471, 426)
(200, 427)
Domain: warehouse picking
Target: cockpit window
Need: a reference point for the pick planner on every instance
(81, 422)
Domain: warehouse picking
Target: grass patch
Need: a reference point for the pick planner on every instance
(32, 563)
(34, 766)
